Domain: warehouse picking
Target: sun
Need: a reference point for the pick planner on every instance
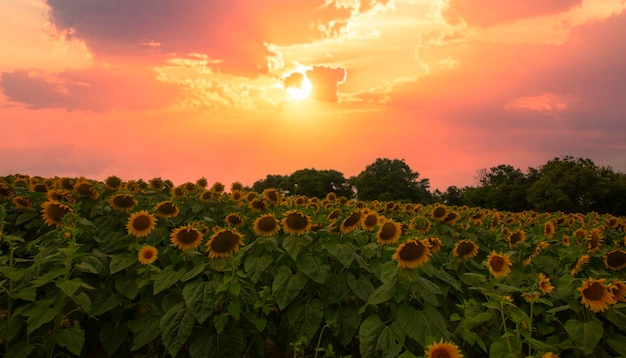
(298, 86)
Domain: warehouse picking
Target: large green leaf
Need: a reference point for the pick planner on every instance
(306, 317)
(314, 267)
(176, 326)
(345, 320)
(293, 244)
(71, 338)
(361, 287)
(145, 330)
(166, 278)
(40, 313)
(287, 285)
(112, 336)
(382, 294)
(199, 299)
(422, 325)
(120, 262)
(379, 340)
(585, 335)
(343, 252)
(255, 266)
(207, 343)
(334, 290)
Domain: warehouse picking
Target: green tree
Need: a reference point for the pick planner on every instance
(504, 188)
(279, 182)
(318, 183)
(387, 179)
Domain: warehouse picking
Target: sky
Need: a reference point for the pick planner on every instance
(234, 90)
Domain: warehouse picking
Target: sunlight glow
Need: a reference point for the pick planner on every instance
(301, 92)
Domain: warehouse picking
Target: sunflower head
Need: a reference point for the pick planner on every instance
(549, 229)
(65, 183)
(234, 220)
(22, 202)
(595, 295)
(618, 289)
(516, 237)
(442, 349)
(451, 218)
(236, 186)
(351, 222)
(140, 223)
(61, 195)
(370, 220)
(595, 240)
(53, 212)
(122, 202)
(544, 284)
(435, 244)
(333, 214)
(166, 209)
(465, 249)
(85, 189)
(421, 224)
(113, 183)
(217, 187)
(389, 232)
(412, 253)
(258, 204)
(439, 212)
(186, 237)
(223, 242)
(296, 222)
(615, 259)
(266, 225)
(147, 254)
(236, 196)
(272, 195)
(156, 184)
(499, 264)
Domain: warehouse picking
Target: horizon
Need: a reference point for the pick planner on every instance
(239, 90)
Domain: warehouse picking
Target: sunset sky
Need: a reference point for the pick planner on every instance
(233, 90)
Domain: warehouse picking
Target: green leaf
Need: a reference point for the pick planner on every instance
(176, 326)
(120, 262)
(10, 327)
(48, 277)
(429, 286)
(166, 278)
(389, 273)
(618, 344)
(220, 321)
(287, 285)
(306, 317)
(40, 313)
(343, 252)
(346, 319)
(361, 287)
(293, 244)
(207, 343)
(334, 290)
(255, 266)
(379, 340)
(193, 272)
(585, 335)
(422, 324)
(234, 309)
(500, 348)
(83, 301)
(103, 301)
(314, 267)
(145, 329)
(26, 293)
(68, 287)
(127, 286)
(382, 294)
(112, 336)
(199, 298)
(71, 338)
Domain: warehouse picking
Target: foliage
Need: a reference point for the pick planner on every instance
(74, 281)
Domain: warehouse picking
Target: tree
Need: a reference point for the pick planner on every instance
(318, 183)
(387, 179)
(271, 181)
(504, 188)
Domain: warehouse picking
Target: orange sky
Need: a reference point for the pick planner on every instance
(183, 90)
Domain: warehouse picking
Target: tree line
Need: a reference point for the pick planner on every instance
(564, 184)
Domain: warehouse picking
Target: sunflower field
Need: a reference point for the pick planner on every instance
(119, 268)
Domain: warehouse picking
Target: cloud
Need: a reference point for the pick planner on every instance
(488, 13)
(97, 90)
(324, 80)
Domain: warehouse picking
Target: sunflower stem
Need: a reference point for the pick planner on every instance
(508, 343)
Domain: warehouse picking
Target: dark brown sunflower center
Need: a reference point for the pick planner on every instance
(388, 231)
(439, 212)
(148, 254)
(124, 201)
(57, 211)
(187, 236)
(85, 189)
(142, 222)
(334, 214)
(594, 292)
(497, 263)
(167, 208)
(616, 258)
(412, 251)
(272, 196)
(224, 241)
(114, 182)
(207, 195)
(42, 188)
(258, 204)
(267, 224)
(352, 220)
(297, 221)
(465, 248)
(234, 219)
(440, 353)
(515, 238)
(370, 220)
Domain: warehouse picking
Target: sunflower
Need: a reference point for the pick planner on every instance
(21, 202)
(549, 229)
(178, 192)
(412, 253)
(421, 224)
(65, 183)
(223, 242)
(544, 284)
(86, 190)
(266, 225)
(218, 188)
(370, 220)
(451, 218)
(333, 215)
(389, 232)
(206, 196)
(272, 195)
(236, 186)
(443, 349)
(350, 223)
(499, 264)
(301, 201)
(435, 244)
(615, 259)
(140, 223)
(236, 196)
(466, 249)
(579, 264)
(38, 187)
(595, 295)
(112, 183)
(234, 220)
(530, 297)
(331, 196)
(61, 195)
(156, 184)
(618, 288)
(516, 237)
(257, 204)
(549, 355)
(566, 241)
(147, 254)
(186, 237)
(122, 202)
(53, 212)
(166, 209)
(296, 222)
(595, 240)
(202, 183)
(439, 212)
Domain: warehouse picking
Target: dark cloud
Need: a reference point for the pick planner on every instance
(324, 81)
(97, 90)
(488, 13)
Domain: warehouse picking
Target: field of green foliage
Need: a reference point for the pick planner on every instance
(144, 269)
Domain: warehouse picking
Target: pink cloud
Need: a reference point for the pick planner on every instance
(488, 13)
(325, 80)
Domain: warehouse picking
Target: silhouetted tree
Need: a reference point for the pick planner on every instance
(271, 181)
(387, 179)
(318, 183)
